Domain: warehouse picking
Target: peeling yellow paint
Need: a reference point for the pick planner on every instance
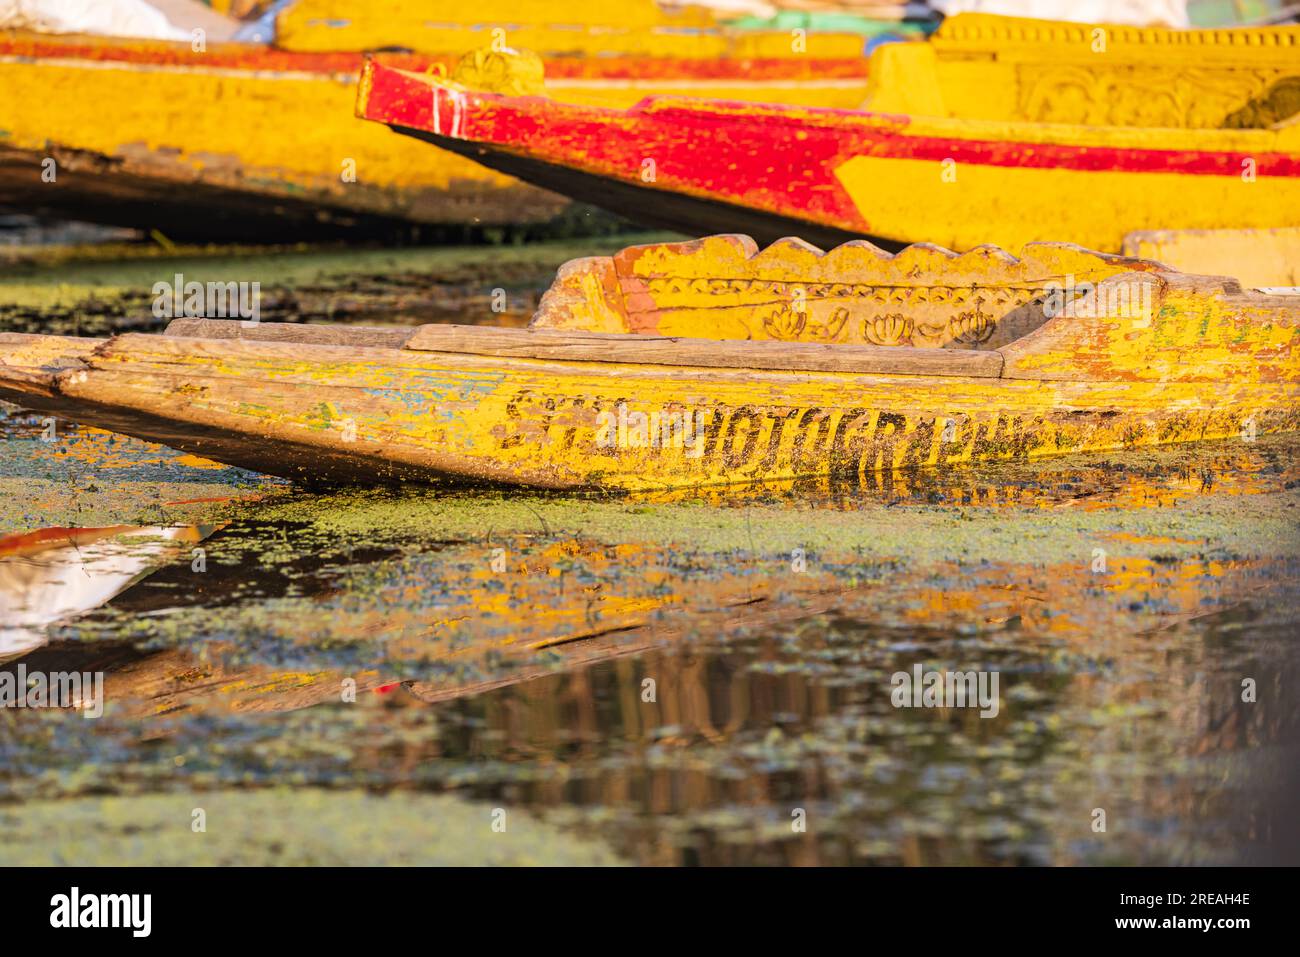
(551, 27)
(1143, 356)
(295, 133)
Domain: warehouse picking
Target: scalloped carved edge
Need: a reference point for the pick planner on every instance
(606, 293)
(735, 256)
(967, 27)
(603, 293)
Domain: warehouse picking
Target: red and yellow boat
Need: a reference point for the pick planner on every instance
(997, 131)
(240, 140)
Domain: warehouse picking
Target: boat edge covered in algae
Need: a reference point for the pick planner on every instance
(868, 362)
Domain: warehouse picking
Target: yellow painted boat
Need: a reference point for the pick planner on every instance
(997, 130)
(1008, 69)
(239, 141)
(992, 69)
(549, 28)
(711, 362)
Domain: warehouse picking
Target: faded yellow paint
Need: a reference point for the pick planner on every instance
(724, 287)
(550, 27)
(537, 422)
(290, 131)
(1262, 257)
(1005, 80)
(1143, 356)
(967, 204)
(295, 134)
(979, 66)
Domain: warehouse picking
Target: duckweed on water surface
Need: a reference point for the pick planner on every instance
(517, 678)
(90, 294)
(303, 827)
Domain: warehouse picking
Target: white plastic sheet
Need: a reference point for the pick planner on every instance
(1141, 13)
(114, 18)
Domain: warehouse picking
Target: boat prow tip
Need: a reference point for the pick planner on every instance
(31, 365)
(364, 85)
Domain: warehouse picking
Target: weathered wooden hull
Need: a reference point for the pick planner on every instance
(955, 176)
(238, 141)
(711, 361)
(337, 413)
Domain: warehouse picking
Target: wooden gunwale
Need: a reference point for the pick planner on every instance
(598, 347)
(281, 407)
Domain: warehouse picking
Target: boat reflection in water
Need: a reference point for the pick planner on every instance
(652, 670)
(54, 574)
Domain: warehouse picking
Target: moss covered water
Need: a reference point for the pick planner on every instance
(457, 675)
(500, 646)
(95, 291)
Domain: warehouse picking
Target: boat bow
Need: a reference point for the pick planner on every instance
(688, 364)
(937, 174)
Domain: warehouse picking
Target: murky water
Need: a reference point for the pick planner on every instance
(689, 677)
(100, 290)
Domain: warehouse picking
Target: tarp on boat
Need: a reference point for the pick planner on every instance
(114, 18)
(161, 20)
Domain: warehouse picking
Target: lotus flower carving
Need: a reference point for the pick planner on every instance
(785, 323)
(891, 329)
(971, 328)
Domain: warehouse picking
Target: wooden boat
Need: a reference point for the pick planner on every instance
(238, 141)
(708, 362)
(553, 28)
(877, 25)
(970, 138)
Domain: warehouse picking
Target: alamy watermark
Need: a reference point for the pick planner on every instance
(659, 429)
(130, 911)
(212, 300)
(84, 690)
(946, 689)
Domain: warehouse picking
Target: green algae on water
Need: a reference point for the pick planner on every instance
(285, 827)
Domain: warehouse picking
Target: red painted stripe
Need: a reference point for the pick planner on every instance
(256, 57)
(884, 135)
(705, 158)
(777, 159)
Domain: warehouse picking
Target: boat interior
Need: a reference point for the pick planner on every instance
(725, 287)
(1056, 311)
(787, 306)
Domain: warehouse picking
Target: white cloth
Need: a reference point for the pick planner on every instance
(1139, 13)
(112, 18)
(754, 8)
